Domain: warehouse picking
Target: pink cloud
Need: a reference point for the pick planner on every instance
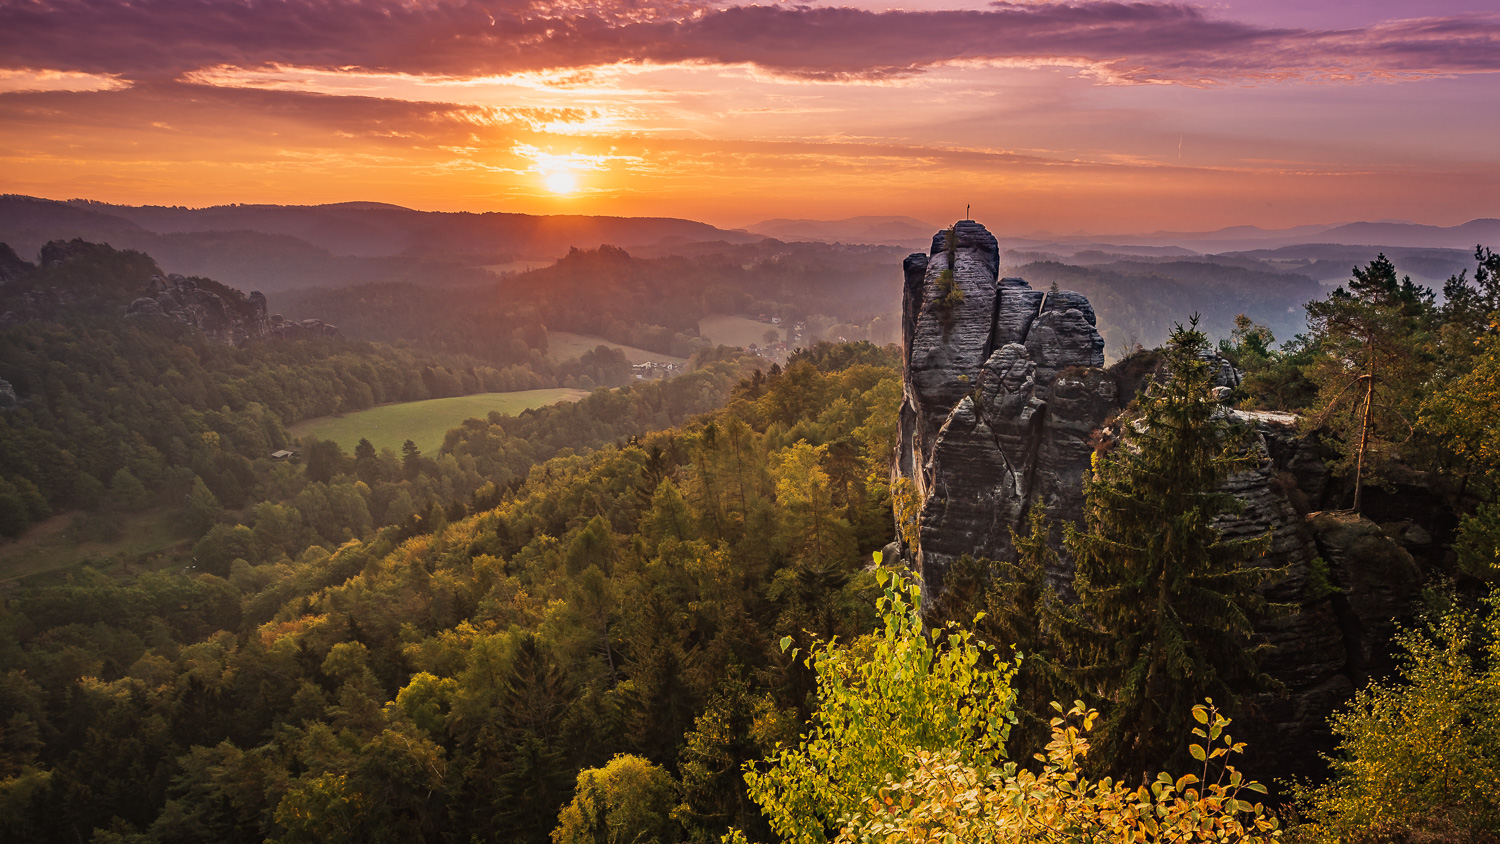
(1120, 41)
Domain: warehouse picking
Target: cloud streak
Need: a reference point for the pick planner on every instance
(1121, 42)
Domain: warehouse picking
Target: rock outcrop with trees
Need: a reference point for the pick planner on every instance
(1007, 404)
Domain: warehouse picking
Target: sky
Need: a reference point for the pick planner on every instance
(1089, 115)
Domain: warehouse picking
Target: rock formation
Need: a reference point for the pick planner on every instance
(75, 276)
(223, 314)
(304, 329)
(1004, 389)
(11, 265)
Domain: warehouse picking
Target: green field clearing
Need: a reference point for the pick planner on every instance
(565, 345)
(424, 422)
(725, 330)
(54, 544)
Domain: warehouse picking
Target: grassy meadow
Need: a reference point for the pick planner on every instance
(424, 422)
(726, 330)
(101, 540)
(564, 345)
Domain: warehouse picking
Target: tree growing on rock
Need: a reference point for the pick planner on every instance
(1369, 365)
(1165, 603)
(949, 293)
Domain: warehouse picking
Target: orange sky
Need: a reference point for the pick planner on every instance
(1103, 116)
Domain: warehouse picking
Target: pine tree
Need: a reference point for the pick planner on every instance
(411, 460)
(1165, 603)
(533, 703)
(366, 462)
(1468, 306)
(1369, 364)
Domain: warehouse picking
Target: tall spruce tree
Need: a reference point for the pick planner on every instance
(1165, 602)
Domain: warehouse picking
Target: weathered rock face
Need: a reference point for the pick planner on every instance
(300, 329)
(1003, 393)
(223, 315)
(78, 276)
(11, 265)
(222, 319)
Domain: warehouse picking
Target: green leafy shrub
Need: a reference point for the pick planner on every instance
(891, 694)
(628, 801)
(1419, 754)
(908, 745)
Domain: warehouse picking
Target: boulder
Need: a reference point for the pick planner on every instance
(145, 307)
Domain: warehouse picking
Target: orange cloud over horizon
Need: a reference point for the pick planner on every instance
(1102, 116)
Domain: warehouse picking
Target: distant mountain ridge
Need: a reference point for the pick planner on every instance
(374, 229)
(1464, 236)
(871, 229)
(909, 231)
(288, 247)
(1392, 234)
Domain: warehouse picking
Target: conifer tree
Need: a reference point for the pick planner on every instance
(533, 707)
(1369, 364)
(1165, 603)
(201, 509)
(1469, 307)
(366, 462)
(411, 460)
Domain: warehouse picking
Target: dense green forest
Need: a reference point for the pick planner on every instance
(658, 614)
(116, 415)
(451, 684)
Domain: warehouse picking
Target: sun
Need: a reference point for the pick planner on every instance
(562, 182)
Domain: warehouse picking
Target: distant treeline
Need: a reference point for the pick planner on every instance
(652, 303)
(1138, 302)
(119, 413)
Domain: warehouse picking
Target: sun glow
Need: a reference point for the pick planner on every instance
(562, 182)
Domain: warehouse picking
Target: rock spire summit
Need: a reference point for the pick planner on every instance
(1002, 386)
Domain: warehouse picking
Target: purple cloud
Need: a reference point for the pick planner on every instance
(1137, 42)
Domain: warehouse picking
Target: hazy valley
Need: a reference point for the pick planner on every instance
(466, 516)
